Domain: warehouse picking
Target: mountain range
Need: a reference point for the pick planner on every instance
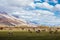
(9, 20)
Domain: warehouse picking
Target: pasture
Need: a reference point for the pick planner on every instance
(23, 35)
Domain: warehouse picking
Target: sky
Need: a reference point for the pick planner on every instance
(39, 12)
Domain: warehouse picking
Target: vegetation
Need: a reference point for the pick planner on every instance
(18, 35)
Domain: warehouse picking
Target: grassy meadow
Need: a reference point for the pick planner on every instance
(23, 35)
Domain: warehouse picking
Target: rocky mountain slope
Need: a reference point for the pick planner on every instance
(6, 19)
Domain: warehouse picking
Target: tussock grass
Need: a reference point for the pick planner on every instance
(23, 35)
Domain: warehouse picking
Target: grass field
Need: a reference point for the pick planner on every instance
(18, 35)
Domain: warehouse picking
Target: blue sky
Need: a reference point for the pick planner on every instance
(39, 12)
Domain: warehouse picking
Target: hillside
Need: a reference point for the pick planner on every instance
(6, 19)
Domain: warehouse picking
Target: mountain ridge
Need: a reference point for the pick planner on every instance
(10, 20)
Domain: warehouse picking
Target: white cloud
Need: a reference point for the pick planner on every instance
(44, 5)
(53, 1)
(20, 2)
(39, 17)
(57, 7)
(17, 8)
(14, 5)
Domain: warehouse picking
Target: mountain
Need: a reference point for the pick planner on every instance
(8, 20)
(3, 13)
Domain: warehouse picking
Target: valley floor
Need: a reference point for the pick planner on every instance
(18, 35)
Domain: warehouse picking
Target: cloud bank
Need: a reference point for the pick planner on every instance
(37, 13)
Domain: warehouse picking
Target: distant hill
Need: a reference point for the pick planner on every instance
(6, 19)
